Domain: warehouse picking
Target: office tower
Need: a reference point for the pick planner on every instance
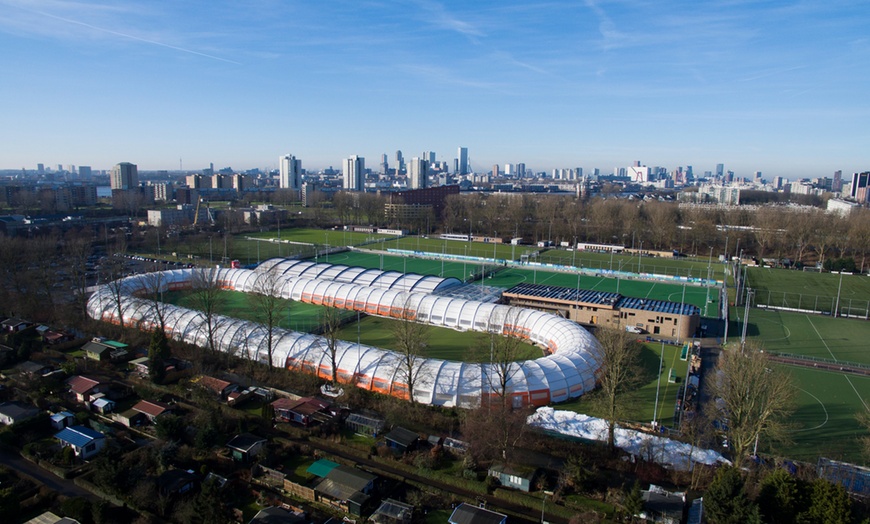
(508, 170)
(400, 162)
(837, 186)
(463, 160)
(418, 173)
(353, 171)
(521, 170)
(455, 166)
(758, 176)
(720, 170)
(85, 172)
(385, 164)
(430, 158)
(40, 169)
(859, 192)
(291, 172)
(125, 176)
(495, 170)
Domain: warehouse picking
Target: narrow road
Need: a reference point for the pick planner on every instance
(47, 478)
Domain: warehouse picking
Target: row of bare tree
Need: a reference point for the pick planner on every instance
(803, 234)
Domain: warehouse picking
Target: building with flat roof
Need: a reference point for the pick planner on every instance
(672, 320)
(125, 176)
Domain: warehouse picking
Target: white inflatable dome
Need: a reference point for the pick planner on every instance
(567, 371)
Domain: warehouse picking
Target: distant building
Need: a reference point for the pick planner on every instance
(840, 207)
(859, 187)
(418, 174)
(353, 172)
(726, 195)
(291, 172)
(462, 157)
(125, 176)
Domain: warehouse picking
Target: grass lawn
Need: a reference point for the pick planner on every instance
(642, 400)
(299, 317)
(443, 343)
(438, 516)
(456, 247)
(321, 237)
(374, 331)
(810, 290)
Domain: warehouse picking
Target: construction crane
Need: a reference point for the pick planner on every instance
(207, 213)
(196, 213)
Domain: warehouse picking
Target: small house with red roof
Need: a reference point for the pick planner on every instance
(84, 388)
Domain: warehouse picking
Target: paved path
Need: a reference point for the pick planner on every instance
(47, 478)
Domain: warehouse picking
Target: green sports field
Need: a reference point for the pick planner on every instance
(810, 290)
(509, 277)
(808, 335)
(825, 422)
(687, 267)
(827, 401)
(642, 400)
(374, 331)
(297, 316)
(443, 343)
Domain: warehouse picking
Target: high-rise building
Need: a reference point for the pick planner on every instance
(720, 170)
(463, 161)
(385, 164)
(495, 170)
(521, 170)
(291, 172)
(400, 162)
(40, 169)
(353, 171)
(125, 176)
(837, 186)
(860, 183)
(85, 172)
(418, 173)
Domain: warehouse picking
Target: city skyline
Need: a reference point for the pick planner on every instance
(776, 88)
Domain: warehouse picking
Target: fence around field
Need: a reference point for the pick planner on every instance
(674, 279)
(855, 368)
(815, 304)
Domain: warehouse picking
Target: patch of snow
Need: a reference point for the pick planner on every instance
(667, 452)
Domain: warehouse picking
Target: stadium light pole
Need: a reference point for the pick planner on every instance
(658, 386)
(574, 252)
(749, 294)
(839, 287)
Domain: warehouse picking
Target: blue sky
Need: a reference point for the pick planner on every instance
(780, 87)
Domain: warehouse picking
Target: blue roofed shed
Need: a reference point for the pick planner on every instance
(84, 441)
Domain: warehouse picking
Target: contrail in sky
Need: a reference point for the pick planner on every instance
(131, 37)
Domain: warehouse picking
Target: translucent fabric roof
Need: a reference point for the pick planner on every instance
(567, 370)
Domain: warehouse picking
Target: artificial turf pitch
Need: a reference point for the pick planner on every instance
(507, 277)
(827, 402)
(810, 290)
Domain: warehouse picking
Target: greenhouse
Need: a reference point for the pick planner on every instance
(567, 371)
